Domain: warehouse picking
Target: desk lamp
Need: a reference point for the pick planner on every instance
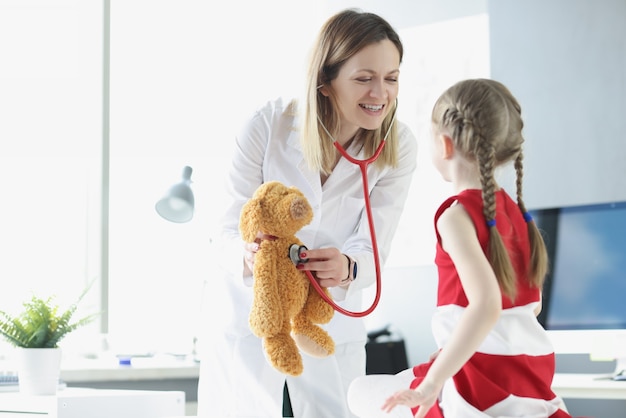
(177, 205)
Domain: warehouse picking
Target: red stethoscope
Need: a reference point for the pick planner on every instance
(295, 250)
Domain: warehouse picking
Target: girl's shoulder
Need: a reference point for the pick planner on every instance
(468, 201)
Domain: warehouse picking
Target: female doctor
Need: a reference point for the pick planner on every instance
(350, 98)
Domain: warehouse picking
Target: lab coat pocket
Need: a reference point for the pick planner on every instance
(347, 218)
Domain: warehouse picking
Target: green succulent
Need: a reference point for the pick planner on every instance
(41, 324)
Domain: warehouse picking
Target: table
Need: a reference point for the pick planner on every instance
(588, 386)
(94, 403)
(149, 368)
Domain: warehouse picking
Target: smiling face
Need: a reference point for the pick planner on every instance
(366, 87)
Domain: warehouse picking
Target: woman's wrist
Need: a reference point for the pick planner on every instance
(347, 276)
(352, 269)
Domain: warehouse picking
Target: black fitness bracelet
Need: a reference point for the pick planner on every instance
(352, 269)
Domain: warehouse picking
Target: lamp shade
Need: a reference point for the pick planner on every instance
(178, 204)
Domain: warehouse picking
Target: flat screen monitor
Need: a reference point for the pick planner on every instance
(584, 297)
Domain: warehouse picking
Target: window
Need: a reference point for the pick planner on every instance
(183, 77)
(50, 125)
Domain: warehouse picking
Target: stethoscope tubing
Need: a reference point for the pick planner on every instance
(370, 219)
(368, 208)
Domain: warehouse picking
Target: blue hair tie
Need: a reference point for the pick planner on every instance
(491, 222)
(527, 217)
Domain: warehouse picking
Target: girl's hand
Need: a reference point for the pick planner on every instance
(329, 265)
(250, 249)
(424, 396)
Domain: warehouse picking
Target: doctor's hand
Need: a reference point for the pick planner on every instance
(250, 249)
(329, 265)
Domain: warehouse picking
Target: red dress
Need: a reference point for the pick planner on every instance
(511, 372)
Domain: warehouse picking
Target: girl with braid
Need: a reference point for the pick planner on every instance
(494, 358)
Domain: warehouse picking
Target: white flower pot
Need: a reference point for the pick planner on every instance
(38, 370)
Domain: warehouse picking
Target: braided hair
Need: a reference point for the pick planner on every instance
(484, 121)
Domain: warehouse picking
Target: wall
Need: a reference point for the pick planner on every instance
(565, 60)
(407, 302)
(410, 13)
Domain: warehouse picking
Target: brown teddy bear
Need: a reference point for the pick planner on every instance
(285, 303)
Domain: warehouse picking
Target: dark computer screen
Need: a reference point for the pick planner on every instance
(586, 286)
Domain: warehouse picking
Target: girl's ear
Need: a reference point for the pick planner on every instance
(447, 147)
(324, 91)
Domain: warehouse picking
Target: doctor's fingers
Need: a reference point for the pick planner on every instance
(323, 254)
(329, 273)
(249, 252)
(248, 259)
(250, 249)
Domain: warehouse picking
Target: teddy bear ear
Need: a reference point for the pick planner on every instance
(248, 220)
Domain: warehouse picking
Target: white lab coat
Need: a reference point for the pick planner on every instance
(235, 378)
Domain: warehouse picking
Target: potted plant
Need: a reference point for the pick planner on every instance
(36, 332)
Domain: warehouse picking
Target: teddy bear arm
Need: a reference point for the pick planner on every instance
(266, 316)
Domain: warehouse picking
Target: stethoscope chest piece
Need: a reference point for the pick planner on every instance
(294, 253)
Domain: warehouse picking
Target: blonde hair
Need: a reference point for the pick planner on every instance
(484, 121)
(341, 37)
